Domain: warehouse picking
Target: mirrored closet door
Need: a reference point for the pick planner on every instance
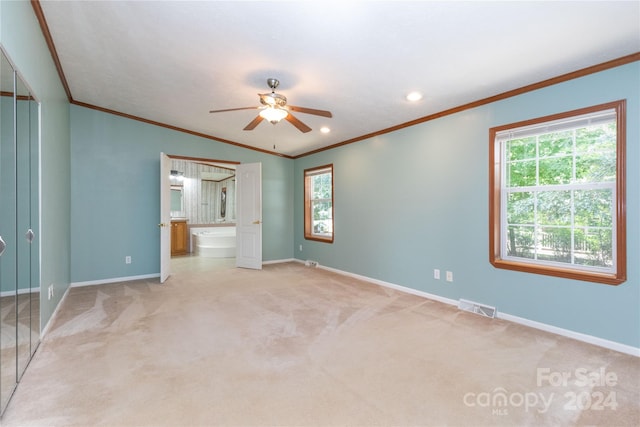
(19, 229)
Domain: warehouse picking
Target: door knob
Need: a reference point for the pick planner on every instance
(162, 224)
(257, 221)
(3, 246)
(30, 235)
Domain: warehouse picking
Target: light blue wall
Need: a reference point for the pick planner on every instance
(115, 193)
(417, 199)
(22, 39)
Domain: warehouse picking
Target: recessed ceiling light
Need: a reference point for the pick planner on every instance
(325, 129)
(414, 96)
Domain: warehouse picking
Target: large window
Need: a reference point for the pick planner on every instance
(557, 195)
(318, 203)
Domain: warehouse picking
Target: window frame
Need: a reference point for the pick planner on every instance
(308, 220)
(495, 214)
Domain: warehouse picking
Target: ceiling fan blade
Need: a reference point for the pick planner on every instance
(297, 123)
(234, 109)
(255, 122)
(322, 113)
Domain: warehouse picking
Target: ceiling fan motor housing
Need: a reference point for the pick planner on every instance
(273, 83)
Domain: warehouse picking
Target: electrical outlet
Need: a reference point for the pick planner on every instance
(300, 248)
(436, 274)
(449, 276)
(50, 291)
(127, 260)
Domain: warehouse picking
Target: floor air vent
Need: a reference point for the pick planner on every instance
(474, 307)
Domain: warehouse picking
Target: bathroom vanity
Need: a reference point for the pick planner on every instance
(179, 237)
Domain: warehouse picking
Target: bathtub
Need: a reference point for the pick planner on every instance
(215, 242)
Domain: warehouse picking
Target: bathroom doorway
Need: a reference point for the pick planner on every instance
(199, 210)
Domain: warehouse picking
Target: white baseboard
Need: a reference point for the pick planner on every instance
(114, 280)
(20, 292)
(601, 342)
(393, 286)
(278, 261)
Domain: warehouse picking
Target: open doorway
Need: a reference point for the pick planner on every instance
(222, 221)
(203, 207)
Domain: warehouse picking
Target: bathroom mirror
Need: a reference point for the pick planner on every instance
(177, 202)
(223, 202)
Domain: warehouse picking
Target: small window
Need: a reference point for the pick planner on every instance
(318, 204)
(557, 195)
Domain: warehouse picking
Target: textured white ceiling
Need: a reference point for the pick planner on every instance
(173, 61)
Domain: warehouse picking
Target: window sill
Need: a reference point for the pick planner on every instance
(319, 239)
(566, 273)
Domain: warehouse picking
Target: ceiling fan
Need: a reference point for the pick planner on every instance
(274, 108)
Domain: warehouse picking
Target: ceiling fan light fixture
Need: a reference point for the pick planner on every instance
(273, 115)
(414, 96)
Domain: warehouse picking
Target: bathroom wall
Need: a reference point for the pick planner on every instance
(202, 197)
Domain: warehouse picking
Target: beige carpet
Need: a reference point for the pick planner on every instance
(297, 346)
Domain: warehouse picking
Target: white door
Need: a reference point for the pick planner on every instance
(249, 215)
(165, 217)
